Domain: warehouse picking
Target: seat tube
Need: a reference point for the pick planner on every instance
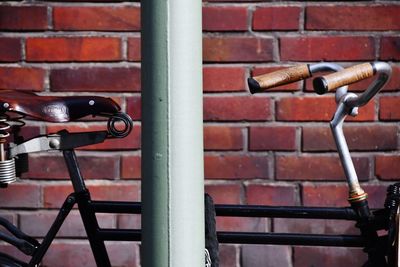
(74, 172)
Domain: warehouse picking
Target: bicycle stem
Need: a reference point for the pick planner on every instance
(348, 104)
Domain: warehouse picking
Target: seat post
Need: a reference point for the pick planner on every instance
(74, 172)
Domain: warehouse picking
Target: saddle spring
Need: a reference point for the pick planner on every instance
(7, 166)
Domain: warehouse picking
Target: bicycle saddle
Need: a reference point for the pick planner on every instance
(55, 108)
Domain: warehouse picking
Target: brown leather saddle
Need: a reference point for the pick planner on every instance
(55, 108)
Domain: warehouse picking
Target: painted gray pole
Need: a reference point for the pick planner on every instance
(172, 134)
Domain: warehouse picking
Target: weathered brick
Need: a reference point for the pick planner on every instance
(319, 167)
(117, 18)
(272, 138)
(276, 18)
(242, 224)
(10, 49)
(387, 167)
(266, 256)
(236, 167)
(59, 49)
(369, 18)
(330, 48)
(237, 49)
(359, 138)
(132, 141)
(224, 193)
(328, 256)
(21, 195)
(389, 108)
(23, 18)
(130, 167)
(316, 109)
(53, 167)
(223, 138)
(336, 195)
(134, 107)
(95, 79)
(134, 49)
(312, 226)
(224, 18)
(72, 226)
(236, 108)
(78, 253)
(54, 195)
(223, 79)
(287, 87)
(22, 78)
(129, 221)
(390, 48)
(228, 255)
(271, 194)
(322, 195)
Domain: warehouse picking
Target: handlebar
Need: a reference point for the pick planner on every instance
(280, 77)
(352, 75)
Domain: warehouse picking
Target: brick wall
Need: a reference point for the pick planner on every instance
(272, 148)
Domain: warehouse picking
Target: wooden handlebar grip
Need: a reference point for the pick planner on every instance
(279, 77)
(344, 77)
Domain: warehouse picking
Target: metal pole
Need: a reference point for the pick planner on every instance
(172, 134)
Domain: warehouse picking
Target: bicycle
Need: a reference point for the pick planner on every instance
(14, 106)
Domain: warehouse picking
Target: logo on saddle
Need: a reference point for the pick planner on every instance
(57, 111)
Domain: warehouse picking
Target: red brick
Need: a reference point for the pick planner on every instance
(276, 18)
(134, 49)
(223, 79)
(224, 18)
(23, 17)
(271, 195)
(20, 195)
(95, 79)
(237, 108)
(228, 254)
(272, 138)
(121, 18)
(376, 195)
(59, 49)
(72, 226)
(242, 224)
(387, 167)
(132, 141)
(131, 167)
(330, 48)
(129, 221)
(390, 48)
(53, 167)
(54, 195)
(225, 193)
(22, 78)
(223, 138)
(10, 49)
(78, 253)
(316, 109)
(266, 255)
(318, 167)
(389, 108)
(134, 107)
(237, 49)
(328, 256)
(287, 87)
(359, 138)
(236, 167)
(311, 226)
(369, 18)
(321, 195)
